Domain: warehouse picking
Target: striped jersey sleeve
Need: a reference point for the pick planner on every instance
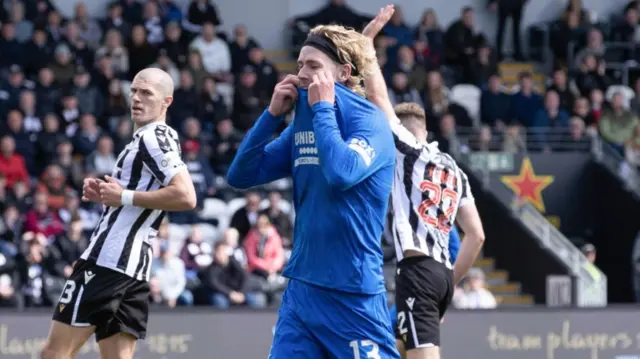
(161, 153)
(406, 143)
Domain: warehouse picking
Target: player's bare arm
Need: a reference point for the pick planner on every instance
(374, 81)
(470, 223)
(179, 195)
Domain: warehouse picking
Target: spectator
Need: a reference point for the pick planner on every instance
(38, 52)
(617, 125)
(249, 100)
(224, 282)
(116, 21)
(226, 142)
(430, 33)
(23, 27)
(239, 48)
(114, 49)
(494, 104)
(11, 49)
(48, 140)
(8, 268)
(170, 272)
(62, 66)
(625, 31)
(481, 67)
(547, 121)
(231, 238)
(460, 41)
(635, 101)
(32, 123)
(40, 286)
(203, 181)
(582, 110)
(102, 161)
(509, 9)
(196, 253)
(216, 58)
(185, 100)
(169, 11)
(70, 113)
(484, 140)
(591, 76)
(117, 107)
(211, 107)
(436, 98)
(632, 149)
(407, 64)
(447, 138)
(47, 94)
(577, 138)
(560, 84)
(141, 53)
(54, 26)
(279, 219)
(597, 104)
(131, 11)
(23, 143)
(200, 12)
(67, 248)
(72, 169)
(78, 46)
(577, 7)
(245, 218)
(90, 100)
(174, 44)
(475, 295)
(399, 90)
(42, 220)
(165, 64)
(10, 227)
(12, 89)
(595, 47)
(122, 135)
(525, 103)
(90, 30)
(12, 165)
(194, 66)
(86, 139)
(337, 12)
(264, 250)
(266, 72)
(513, 141)
(54, 184)
(153, 23)
(397, 34)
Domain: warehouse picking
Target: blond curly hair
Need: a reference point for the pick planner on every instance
(353, 48)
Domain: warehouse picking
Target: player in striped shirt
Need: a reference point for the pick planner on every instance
(429, 192)
(108, 291)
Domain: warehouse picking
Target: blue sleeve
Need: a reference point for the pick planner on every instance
(259, 161)
(345, 164)
(454, 243)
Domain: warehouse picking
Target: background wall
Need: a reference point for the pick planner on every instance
(266, 18)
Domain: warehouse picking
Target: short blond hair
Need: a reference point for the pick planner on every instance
(353, 48)
(410, 111)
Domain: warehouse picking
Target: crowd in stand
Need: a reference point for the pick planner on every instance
(64, 97)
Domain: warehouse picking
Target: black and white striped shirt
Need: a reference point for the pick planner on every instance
(122, 239)
(428, 189)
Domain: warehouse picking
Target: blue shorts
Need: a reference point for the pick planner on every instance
(320, 323)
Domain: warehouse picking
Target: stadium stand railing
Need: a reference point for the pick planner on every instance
(613, 161)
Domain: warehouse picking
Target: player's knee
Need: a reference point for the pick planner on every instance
(51, 352)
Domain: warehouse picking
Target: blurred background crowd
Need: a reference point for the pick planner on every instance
(65, 116)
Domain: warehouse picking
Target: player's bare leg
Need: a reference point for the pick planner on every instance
(400, 347)
(424, 353)
(64, 341)
(117, 346)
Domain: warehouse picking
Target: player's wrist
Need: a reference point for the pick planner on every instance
(126, 198)
(322, 105)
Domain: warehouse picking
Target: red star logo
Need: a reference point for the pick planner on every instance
(527, 186)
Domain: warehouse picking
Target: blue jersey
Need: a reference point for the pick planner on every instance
(341, 158)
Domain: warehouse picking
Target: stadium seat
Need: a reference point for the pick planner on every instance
(285, 206)
(467, 96)
(209, 232)
(178, 232)
(235, 204)
(627, 93)
(213, 209)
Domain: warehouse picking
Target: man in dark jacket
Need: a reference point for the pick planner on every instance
(225, 282)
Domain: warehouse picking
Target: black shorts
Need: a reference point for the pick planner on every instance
(424, 289)
(110, 300)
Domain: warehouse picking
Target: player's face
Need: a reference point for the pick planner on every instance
(311, 61)
(147, 102)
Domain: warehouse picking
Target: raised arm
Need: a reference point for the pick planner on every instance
(258, 160)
